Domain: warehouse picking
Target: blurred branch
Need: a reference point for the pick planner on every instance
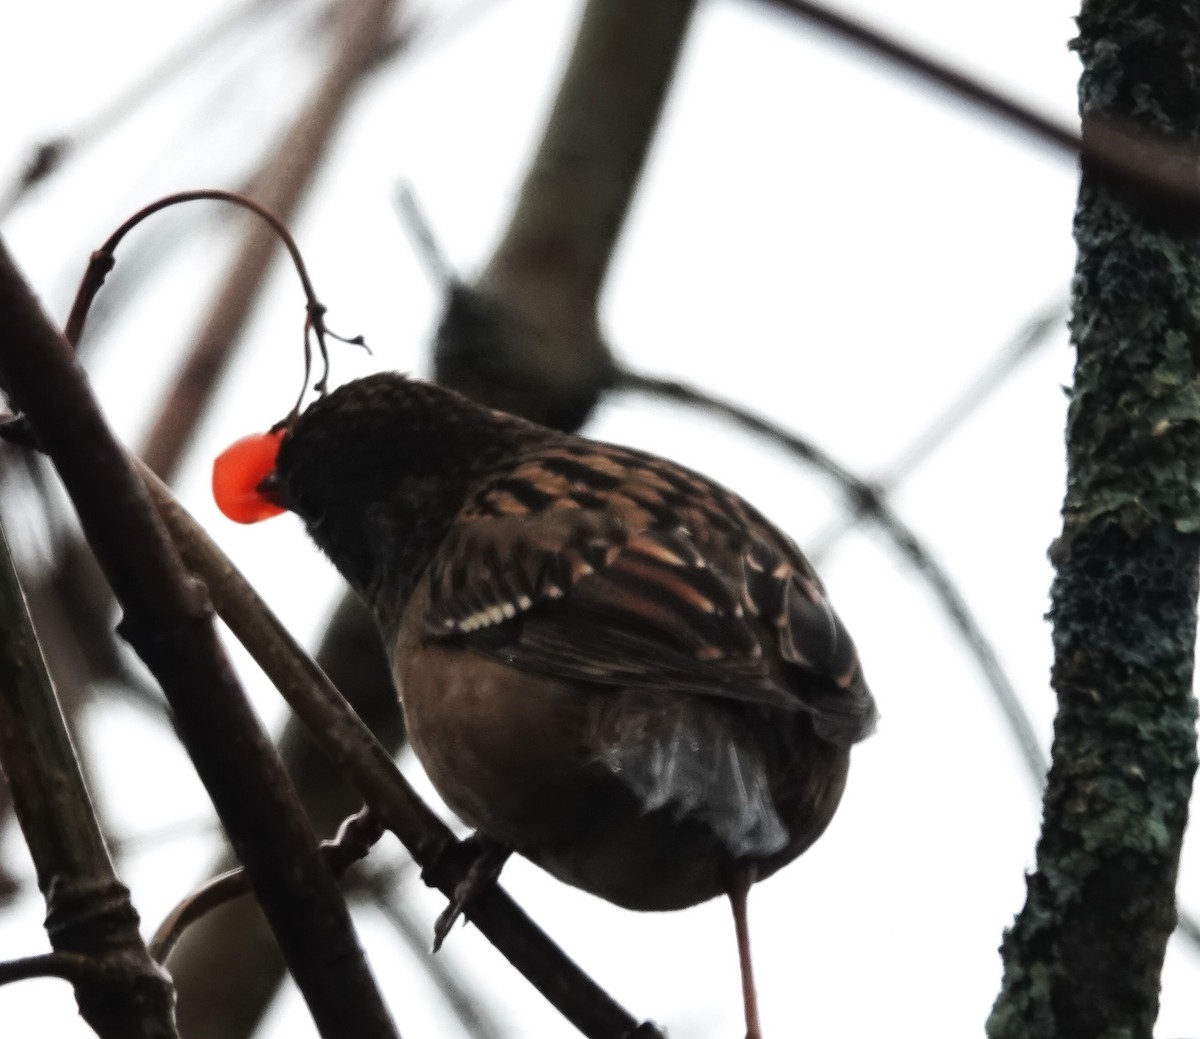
(76, 968)
(526, 337)
(1036, 332)
(363, 27)
(350, 745)
(1110, 149)
(92, 925)
(168, 621)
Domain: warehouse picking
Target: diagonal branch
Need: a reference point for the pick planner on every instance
(168, 621)
(355, 750)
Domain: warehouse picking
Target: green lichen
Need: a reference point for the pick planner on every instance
(1083, 957)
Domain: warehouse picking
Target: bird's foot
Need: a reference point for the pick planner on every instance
(738, 881)
(487, 860)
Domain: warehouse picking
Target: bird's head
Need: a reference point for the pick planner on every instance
(377, 470)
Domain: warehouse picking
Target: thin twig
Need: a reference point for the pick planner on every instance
(1036, 332)
(102, 260)
(436, 265)
(361, 30)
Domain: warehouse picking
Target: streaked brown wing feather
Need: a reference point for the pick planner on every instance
(580, 597)
(629, 594)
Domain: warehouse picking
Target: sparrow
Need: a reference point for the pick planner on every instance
(607, 662)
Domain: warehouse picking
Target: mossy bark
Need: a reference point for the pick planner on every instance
(1084, 956)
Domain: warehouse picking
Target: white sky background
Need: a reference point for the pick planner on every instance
(816, 238)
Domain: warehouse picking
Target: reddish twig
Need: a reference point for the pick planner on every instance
(103, 259)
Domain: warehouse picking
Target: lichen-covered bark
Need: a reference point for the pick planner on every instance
(1084, 956)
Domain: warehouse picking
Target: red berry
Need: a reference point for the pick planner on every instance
(238, 471)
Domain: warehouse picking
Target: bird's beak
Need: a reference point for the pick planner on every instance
(271, 488)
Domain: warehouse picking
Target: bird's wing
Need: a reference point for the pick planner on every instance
(574, 594)
(587, 594)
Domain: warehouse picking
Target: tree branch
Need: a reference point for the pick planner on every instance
(78, 969)
(229, 957)
(93, 926)
(526, 337)
(168, 621)
(1084, 956)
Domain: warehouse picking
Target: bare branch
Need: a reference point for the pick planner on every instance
(92, 925)
(525, 338)
(229, 958)
(168, 621)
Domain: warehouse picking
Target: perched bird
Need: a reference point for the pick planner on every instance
(607, 662)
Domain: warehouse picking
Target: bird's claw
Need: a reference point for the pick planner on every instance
(487, 862)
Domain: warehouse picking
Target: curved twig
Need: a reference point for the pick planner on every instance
(103, 259)
(353, 841)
